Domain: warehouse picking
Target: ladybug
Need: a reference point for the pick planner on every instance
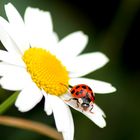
(84, 96)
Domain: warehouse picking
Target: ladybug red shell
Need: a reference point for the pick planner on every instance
(84, 96)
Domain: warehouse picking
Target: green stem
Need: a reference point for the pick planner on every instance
(8, 102)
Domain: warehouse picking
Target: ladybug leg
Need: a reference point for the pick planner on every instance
(77, 101)
(91, 109)
(69, 100)
(73, 99)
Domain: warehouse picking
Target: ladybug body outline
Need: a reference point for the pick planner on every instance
(84, 96)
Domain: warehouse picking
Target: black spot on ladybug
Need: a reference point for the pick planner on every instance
(84, 87)
(77, 87)
(92, 94)
(89, 88)
(72, 91)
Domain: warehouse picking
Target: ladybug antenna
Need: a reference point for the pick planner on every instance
(70, 86)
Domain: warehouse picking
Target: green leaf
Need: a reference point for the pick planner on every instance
(8, 102)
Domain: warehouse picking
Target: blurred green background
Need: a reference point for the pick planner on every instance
(113, 28)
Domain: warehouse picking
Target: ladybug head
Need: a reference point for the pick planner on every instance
(85, 106)
(85, 103)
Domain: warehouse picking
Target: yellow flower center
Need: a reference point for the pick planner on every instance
(46, 71)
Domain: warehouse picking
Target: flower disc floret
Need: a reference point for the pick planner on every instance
(46, 71)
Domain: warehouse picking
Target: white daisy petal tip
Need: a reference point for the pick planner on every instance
(96, 115)
(28, 97)
(71, 46)
(83, 36)
(8, 5)
(30, 11)
(112, 89)
(44, 34)
(106, 89)
(92, 62)
(47, 105)
(48, 108)
(101, 58)
(20, 108)
(34, 11)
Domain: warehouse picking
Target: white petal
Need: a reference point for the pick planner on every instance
(40, 28)
(96, 85)
(72, 45)
(14, 78)
(11, 58)
(13, 15)
(47, 105)
(86, 63)
(17, 30)
(28, 97)
(39, 17)
(7, 42)
(63, 117)
(8, 69)
(96, 114)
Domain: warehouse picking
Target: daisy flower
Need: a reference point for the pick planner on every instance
(38, 64)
